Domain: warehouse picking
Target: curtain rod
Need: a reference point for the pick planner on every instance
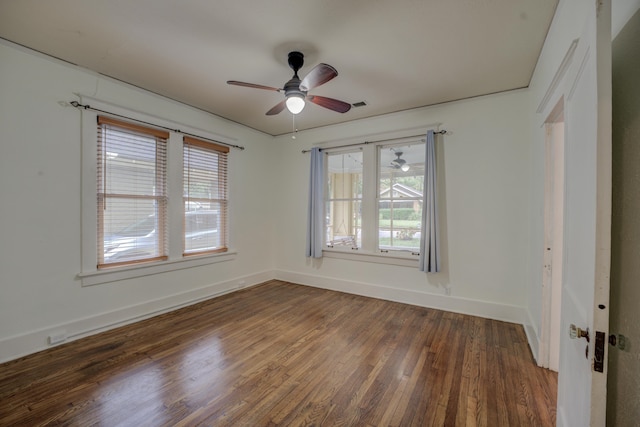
(440, 132)
(88, 107)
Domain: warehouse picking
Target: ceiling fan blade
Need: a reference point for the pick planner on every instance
(330, 103)
(320, 74)
(276, 108)
(253, 85)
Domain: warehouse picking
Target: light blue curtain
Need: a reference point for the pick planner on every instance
(429, 260)
(315, 217)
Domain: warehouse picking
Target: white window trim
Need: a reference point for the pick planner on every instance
(90, 275)
(401, 258)
(146, 269)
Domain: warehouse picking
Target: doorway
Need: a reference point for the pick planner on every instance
(553, 238)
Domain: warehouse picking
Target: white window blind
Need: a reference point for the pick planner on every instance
(205, 196)
(132, 193)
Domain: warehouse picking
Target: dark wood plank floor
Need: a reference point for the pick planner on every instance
(281, 354)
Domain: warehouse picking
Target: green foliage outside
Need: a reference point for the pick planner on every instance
(398, 243)
(400, 214)
(397, 224)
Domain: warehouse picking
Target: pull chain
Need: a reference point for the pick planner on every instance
(293, 136)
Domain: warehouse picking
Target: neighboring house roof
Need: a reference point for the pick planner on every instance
(402, 189)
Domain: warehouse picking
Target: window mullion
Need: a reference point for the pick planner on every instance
(369, 199)
(175, 204)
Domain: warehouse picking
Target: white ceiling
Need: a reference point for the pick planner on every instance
(393, 54)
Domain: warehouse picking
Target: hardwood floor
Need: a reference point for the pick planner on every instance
(281, 354)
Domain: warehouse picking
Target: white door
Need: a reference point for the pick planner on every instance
(587, 232)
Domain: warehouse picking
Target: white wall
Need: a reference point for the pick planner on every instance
(40, 171)
(484, 160)
(621, 13)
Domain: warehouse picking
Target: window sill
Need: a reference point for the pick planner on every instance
(404, 259)
(139, 270)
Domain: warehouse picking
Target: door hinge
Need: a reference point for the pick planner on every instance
(598, 351)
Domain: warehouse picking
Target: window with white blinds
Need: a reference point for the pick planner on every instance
(205, 196)
(132, 193)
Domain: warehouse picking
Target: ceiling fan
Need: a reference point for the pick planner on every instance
(399, 163)
(295, 90)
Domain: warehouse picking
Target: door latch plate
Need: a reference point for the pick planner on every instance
(598, 352)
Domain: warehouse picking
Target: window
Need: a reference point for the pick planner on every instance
(142, 212)
(374, 197)
(205, 196)
(132, 193)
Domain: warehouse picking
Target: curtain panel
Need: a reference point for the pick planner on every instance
(429, 260)
(315, 218)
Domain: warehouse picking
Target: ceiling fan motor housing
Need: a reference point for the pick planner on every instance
(399, 162)
(292, 87)
(296, 60)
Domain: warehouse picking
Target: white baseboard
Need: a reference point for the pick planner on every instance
(507, 313)
(561, 418)
(31, 342)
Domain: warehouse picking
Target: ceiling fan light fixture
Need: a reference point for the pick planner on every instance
(295, 103)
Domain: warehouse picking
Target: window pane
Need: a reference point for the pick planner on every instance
(344, 199)
(201, 230)
(131, 230)
(400, 192)
(399, 228)
(344, 227)
(130, 163)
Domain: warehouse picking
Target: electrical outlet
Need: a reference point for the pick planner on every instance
(447, 290)
(57, 337)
